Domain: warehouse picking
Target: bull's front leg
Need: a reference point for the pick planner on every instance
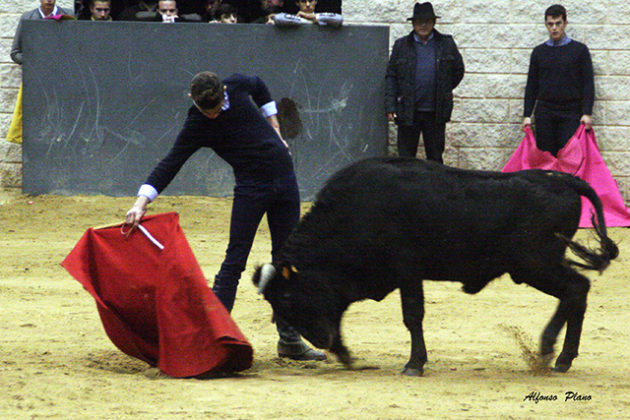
(412, 299)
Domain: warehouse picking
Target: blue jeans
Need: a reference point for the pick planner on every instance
(280, 200)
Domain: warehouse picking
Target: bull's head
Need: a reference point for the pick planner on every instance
(304, 300)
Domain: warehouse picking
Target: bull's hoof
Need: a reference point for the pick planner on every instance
(562, 367)
(563, 363)
(343, 355)
(412, 371)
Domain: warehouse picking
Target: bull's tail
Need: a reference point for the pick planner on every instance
(595, 259)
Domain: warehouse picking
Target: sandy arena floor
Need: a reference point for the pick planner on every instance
(57, 362)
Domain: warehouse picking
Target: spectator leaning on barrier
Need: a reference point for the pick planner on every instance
(247, 136)
(47, 9)
(209, 10)
(306, 14)
(424, 68)
(226, 13)
(100, 10)
(167, 10)
(266, 10)
(329, 6)
(560, 85)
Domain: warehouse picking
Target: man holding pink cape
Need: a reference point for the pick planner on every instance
(560, 89)
(560, 93)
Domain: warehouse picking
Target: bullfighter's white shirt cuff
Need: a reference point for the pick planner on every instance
(269, 109)
(148, 191)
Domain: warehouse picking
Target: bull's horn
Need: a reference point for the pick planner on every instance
(267, 272)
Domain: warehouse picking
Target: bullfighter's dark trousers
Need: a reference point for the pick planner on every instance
(555, 124)
(280, 199)
(433, 136)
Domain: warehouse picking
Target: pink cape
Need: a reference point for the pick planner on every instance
(580, 157)
(154, 303)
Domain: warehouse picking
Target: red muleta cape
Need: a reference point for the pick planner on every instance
(154, 303)
(579, 157)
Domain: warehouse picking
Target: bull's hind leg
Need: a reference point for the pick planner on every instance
(578, 288)
(571, 288)
(412, 299)
(550, 334)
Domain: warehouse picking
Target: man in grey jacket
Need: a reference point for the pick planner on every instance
(47, 8)
(424, 68)
(306, 14)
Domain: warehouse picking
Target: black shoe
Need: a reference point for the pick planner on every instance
(299, 350)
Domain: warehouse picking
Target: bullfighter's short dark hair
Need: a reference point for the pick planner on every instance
(556, 10)
(206, 89)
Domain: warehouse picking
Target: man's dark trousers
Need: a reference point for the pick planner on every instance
(433, 136)
(555, 124)
(281, 201)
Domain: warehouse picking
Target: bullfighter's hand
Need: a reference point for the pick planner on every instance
(135, 214)
(587, 121)
(527, 121)
(391, 116)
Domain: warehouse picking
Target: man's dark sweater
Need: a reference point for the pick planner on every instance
(240, 135)
(560, 75)
(425, 75)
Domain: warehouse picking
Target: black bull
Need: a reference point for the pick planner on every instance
(389, 223)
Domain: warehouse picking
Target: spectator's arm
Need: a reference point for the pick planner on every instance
(147, 16)
(285, 19)
(16, 47)
(329, 19)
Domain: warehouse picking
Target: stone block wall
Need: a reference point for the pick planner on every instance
(495, 38)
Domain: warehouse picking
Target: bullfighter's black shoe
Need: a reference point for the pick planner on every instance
(299, 350)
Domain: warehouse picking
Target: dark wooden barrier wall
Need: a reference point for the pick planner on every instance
(103, 102)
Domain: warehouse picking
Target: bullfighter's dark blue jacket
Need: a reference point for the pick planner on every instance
(240, 135)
